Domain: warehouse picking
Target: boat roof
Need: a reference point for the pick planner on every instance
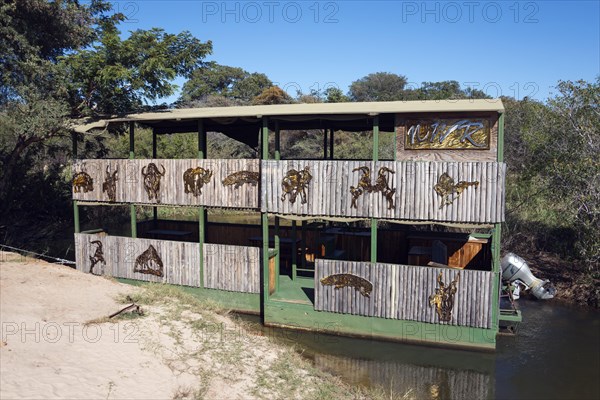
(308, 111)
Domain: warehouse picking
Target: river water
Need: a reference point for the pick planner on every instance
(555, 355)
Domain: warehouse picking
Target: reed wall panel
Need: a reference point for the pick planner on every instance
(402, 292)
(130, 183)
(232, 268)
(329, 191)
(181, 260)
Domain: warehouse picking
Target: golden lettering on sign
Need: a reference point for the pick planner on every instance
(440, 134)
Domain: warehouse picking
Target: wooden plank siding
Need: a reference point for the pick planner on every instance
(130, 184)
(232, 268)
(226, 267)
(402, 292)
(328, 193)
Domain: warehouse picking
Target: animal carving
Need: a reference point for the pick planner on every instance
(110, 184)
(149, 262)
(152, 177)
(241, 177)
(294, 183)
(82, 181)
(446, 188)
(443, 298)
(195, 178)
(381, 185)
(348, 280)
(98, 256)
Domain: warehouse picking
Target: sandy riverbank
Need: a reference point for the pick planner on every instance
(180, 348)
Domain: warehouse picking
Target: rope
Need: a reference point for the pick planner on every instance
(58, 260)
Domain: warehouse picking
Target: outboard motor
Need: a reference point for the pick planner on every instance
(515, 270)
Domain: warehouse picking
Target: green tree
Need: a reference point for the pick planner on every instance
(273, 95)
(222, 80)
(335, 95)
(379, 86)
(61, 60)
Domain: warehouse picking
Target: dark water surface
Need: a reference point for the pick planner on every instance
(555, 355)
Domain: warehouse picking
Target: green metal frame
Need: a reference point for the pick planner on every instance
(201, 210)
(374, 220)
(264, 140)
(132, 212)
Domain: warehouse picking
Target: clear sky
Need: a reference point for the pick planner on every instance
(513, 48)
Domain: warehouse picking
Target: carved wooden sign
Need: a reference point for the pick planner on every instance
(448, 134)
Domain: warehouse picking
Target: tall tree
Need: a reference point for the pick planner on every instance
(379, 86)
(222, 80)
(61, 60)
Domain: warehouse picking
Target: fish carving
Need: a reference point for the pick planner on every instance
(348, 280)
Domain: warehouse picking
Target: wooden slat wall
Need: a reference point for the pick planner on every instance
(232, 268)
(181, 260)
(130, 187)
(415, 198)
(402, 292)
(226, 267)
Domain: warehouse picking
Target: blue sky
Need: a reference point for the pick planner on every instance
(513, 48)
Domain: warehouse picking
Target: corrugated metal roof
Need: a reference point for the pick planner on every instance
(315, 110)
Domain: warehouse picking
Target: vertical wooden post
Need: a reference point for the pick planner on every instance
(325, 144)
(294, 248)
(395, 137)
(132, 211)
(331, 133)
(76, 216)
(75, 204)
(277, 237)
(375, 158)
(201, 210)
(264, 139)
(154, 153)
(501, 137)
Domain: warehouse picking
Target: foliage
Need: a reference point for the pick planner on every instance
(222, 80)
(272, 95)
(335, 95)
(553, 184)
(379, 86)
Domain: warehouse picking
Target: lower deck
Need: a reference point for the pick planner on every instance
(425, 286)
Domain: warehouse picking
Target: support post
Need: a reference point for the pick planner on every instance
(201, 209)
(132, 213)
(331, 133)
(375, 158)
(131, 140)
(154, 208)
(325, 144)
(395, 137)
(501, 137)
(264, 140)
(277, 237)
(294, 248)
(75, 204)
(496, 270)
(76, 216)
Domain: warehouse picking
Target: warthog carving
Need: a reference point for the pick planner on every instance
(152, 178)
(443, 298)
(82, 181)
(294, 183)
(98, 256)
(110, 184)
(149, 262)
(195, 178)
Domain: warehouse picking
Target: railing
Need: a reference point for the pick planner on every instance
(393, 190)
(216, 183)
(226, 267)
(403, 292)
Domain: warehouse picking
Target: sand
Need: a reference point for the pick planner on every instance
(50, 350)
(47, 351)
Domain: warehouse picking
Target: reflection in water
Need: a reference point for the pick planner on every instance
(555, 355)
(409, 380)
